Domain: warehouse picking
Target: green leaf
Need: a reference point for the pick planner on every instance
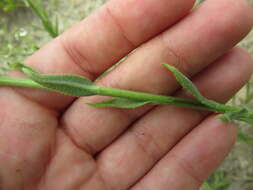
(188, 85)
(238, 113)
(66, 84)
(120, 103)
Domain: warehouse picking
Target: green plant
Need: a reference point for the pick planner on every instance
(50, 26)
(18, 44)
(79, 86)
(8, 5)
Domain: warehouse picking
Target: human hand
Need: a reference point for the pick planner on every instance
(54, 142)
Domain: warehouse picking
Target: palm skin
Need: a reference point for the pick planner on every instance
(51, 141)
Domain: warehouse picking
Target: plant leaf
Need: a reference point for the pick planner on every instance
(238, 114)
(120, 103)
(66, 84)
(188, 85)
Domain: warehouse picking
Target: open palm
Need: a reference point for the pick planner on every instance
(50, 141)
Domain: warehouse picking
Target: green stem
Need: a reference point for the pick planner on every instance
(103, 91)
(162, 100)
(9, 81)
(139, 96)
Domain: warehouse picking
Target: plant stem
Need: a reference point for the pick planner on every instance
(162, 100)
(9, 81)
(103, 91)
(139, 96)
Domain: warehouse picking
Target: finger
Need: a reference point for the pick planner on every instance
(27, 135)
(93, 129)
(102, 39)
(158, 131)
(193, 159)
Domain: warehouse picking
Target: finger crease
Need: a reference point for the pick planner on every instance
(118, 25)
(84, 146)
(187, 168)
(145, 142)
(180, 62)
(78, 59)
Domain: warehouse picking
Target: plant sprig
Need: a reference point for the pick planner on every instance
(80, 86)
(52, 27)
(49, 24)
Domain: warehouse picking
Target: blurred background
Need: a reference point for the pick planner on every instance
(23, 30)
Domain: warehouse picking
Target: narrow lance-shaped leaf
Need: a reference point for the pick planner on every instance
(188, 85)
(120, 103)
(66, 84)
